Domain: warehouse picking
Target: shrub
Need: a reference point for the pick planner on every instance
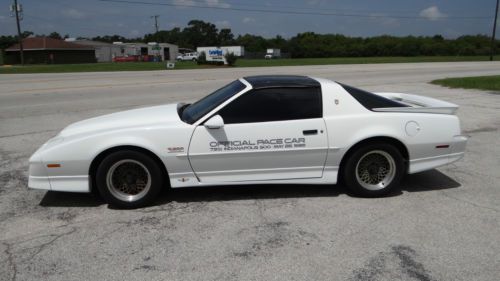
(231, 59)
(202, 58)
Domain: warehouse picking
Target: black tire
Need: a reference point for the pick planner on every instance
(364, 180)
(142, 175)
(194, 59)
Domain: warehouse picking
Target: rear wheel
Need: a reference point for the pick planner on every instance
(374, 170)
(129, 179)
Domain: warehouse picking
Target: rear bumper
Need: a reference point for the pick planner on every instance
(457, 151)
(459, 144)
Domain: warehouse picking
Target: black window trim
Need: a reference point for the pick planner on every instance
(393, 103)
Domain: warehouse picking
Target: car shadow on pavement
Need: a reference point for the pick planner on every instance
(428, 181)
(425, 181)
(68, 199)
(250, 192)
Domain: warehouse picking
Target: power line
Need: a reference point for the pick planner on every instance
(261, 10)
(270, 6)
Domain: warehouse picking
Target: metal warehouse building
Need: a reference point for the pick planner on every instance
(50, 51)
(104, 52)
(165, 50)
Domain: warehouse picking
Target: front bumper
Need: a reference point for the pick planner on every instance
(39, 178)
(60, 183)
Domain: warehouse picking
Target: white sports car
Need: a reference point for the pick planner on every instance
(255, 130)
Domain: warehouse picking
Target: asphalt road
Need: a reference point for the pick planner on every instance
(443, 225)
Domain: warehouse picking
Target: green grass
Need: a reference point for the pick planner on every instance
(354, 60)
(84, 67)
(143, 66)
(488, 83)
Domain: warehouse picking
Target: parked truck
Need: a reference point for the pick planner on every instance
(273, 54)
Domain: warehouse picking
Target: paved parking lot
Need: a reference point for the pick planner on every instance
(443, 225)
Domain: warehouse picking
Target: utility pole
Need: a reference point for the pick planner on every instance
(17, 10)
(494, 33)
(156, 22)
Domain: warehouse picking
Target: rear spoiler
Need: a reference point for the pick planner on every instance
(418, 104)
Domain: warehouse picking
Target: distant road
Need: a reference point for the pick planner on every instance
(54, 100)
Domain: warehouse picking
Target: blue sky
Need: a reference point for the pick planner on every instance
(450, 18)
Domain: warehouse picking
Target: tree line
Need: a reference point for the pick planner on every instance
(304, 45)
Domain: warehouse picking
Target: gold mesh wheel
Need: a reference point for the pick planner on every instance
(128, 180)
(375, 170)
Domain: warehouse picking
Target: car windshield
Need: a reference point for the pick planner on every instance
(198, 109)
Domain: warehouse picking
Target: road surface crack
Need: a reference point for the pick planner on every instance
(10, 259)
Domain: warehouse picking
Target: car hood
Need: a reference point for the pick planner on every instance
(148, 116)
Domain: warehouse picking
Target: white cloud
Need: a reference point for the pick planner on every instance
(173, 24)
(432, 13)
(248, 20)
(315, 2)
(209, 3)
(134, 32)
(384, 20)
(73, 13)
(184, 2)
(223, 24)
(4, 19)
(217, 3)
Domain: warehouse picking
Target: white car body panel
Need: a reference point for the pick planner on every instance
(193, 155)
(263, 161)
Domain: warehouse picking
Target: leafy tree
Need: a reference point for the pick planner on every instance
(225, 37)
(55, 35)
(26, 34)
(112, 38)
(200, 33)
(252, 43)
(307, 44)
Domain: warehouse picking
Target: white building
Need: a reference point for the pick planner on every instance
(166, 51)
(105, 52)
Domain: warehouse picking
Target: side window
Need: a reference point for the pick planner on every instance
(274, 104)
(370, 100)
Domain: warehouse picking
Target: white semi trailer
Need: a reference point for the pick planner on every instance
(218, 53)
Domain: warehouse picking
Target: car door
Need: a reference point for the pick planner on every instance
(268, 134)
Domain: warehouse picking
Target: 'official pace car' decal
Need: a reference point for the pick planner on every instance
(260, 144)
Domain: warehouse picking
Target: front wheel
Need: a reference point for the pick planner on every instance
(374, 170)
(129, 179)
